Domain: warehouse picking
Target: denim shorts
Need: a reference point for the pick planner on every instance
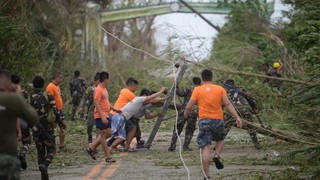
(100, 125)
(118, 125)
(210, 130)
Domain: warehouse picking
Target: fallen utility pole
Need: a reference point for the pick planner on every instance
(165, 107)
(202, 17)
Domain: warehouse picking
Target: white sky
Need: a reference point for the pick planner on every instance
(185, 26)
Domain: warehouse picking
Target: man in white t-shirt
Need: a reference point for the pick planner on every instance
(119, 120)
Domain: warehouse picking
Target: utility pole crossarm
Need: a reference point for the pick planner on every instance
(165, 107)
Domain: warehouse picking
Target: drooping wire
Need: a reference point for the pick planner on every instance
(137, 49)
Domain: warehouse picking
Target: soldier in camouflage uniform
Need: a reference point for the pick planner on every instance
(25, 139)
(274, 71)
(25, 135)
(191, 120)
(87, 100)
(245, 104)
(12, 106)
(43, 132)
(77, 89)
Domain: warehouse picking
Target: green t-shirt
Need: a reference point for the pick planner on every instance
(13, 106)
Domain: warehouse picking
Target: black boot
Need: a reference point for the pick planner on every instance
(23, 161)
(185, 148)
(44, 172)
(173, 142)
(186, 143)
(172, 147)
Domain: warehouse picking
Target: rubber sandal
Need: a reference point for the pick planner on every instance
(91, 153)
(110, 160)
(217, 161)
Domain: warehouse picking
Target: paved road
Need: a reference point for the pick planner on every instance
(158, 164)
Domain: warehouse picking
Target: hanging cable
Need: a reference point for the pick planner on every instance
(175, 85)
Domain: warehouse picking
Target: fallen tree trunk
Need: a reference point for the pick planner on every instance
(254, 75)
(276, 133)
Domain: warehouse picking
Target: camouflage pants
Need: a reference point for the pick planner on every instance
(26, 141)
(44, 139)
(190, 128)
(9, 167)
(76, 99)
(90, 124)
(244, 114)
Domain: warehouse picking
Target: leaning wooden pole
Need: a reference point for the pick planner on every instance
(165, 107)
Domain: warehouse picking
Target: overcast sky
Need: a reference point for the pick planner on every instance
(192, 31)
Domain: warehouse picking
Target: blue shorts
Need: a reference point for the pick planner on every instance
(100, 125)
(210, 130)
(118, 126)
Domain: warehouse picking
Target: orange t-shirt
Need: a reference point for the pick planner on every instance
(125, 96)
(54, 90)
(101, 94)
(209, 98)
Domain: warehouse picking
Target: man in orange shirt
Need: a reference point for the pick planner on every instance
(210, 98)
(126, 95)
(54, 89)
(101, 115)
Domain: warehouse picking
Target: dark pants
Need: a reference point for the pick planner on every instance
(245, 114)
(191, 127)
(44, 138)
(26, 141)
(135, 122)
(76, 99)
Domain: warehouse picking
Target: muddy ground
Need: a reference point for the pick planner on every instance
(240, 158)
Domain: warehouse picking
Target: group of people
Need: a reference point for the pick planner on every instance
(14, 111)
(119, 122)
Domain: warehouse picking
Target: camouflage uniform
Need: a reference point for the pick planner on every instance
(25, 139)
(77, 89)
(9, 167)
(272, 82)
(87, 99)
(191, 120)
(244, 105)
(43, 132)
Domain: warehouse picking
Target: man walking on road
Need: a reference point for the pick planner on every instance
(245, 105)
(54, 89)
(191, 120)
(101, 115)
(210, 98)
